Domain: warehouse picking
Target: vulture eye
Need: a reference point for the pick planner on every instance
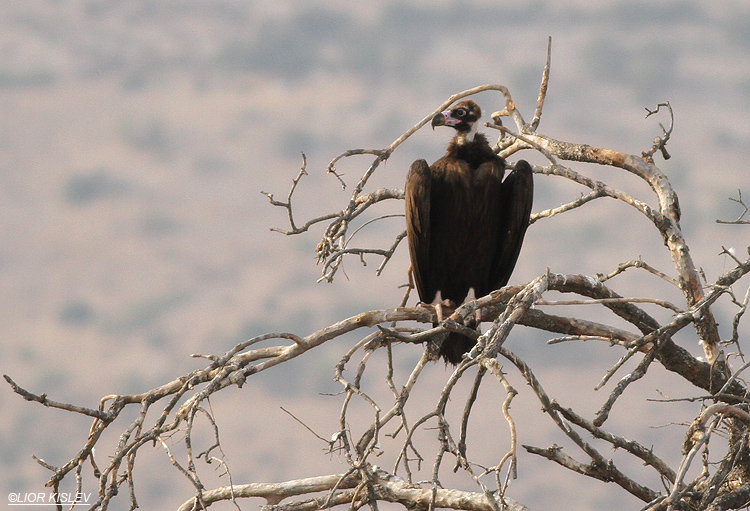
(461, 112)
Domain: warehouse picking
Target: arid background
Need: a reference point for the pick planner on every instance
(136, 137)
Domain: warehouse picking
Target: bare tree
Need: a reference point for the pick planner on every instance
(720, 406)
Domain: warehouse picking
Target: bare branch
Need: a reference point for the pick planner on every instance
(42, 398)
(647, 455)
(660, 143)
(288, 204)
(739, 219)
(387, 488)
(599, 189)
(493, 366)
(534, 124)
(603, 470)
(638, 264)
(662, 303)
(600, 468)
(637, 374)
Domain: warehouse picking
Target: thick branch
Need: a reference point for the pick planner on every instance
(386, 487)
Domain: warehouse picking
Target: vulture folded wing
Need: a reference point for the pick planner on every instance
(417, 195)
(515, 210)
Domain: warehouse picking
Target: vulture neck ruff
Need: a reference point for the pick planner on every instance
(474, 152)
(463, 137)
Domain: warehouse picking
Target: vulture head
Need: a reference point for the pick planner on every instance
(462, 117)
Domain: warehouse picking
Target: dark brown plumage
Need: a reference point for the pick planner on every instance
(465, 225)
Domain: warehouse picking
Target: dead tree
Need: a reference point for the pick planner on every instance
(721, 403)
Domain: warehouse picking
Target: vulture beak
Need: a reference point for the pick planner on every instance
(445, 119)
(438, 120)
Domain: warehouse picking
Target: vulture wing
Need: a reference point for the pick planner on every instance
(418, 196)
(515, 209)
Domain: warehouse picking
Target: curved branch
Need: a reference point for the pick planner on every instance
(666, 220)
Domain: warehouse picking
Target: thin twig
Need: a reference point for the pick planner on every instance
(739, 219)
(42, 398)
(542, 88)
(662, 303)
(638, 263)
(660, 143)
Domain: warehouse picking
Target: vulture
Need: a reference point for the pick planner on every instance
(465, 224)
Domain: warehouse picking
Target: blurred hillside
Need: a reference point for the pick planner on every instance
(135, 137)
